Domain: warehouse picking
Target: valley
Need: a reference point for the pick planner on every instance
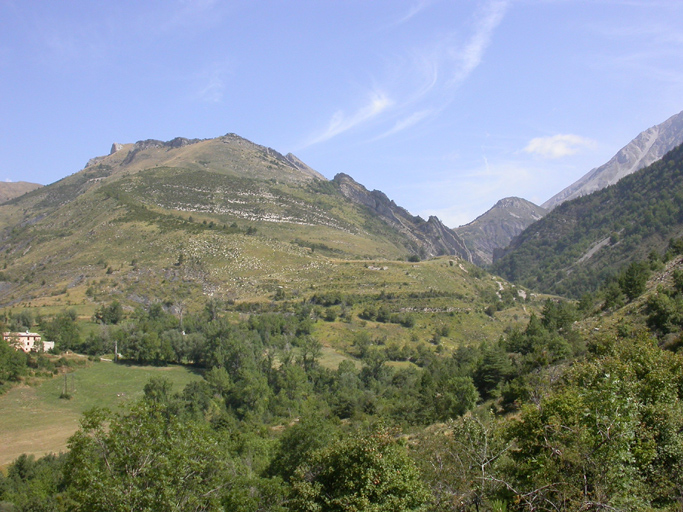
(258, 328)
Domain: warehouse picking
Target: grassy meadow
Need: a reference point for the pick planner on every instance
(35, 421)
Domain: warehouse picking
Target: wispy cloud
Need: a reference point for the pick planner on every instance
(190, 13)
(415, 9)
(405, 123)
(213, 91)
(558, 146)
(421, 82)
(209, 85)
(341, 122)
(471, 55)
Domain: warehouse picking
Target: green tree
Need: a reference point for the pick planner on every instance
(33, 485)
(632, 281)
(369, 473)
(12, 363)
(111, 314)
(145, 460)
(610, 436)
(463, 463)
(63, 330)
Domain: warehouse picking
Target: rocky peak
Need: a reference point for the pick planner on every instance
(431, 237)
(494, 230)
(298, 164)
(648, 147)
(178, 142)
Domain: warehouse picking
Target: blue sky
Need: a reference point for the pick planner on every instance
(445, 105)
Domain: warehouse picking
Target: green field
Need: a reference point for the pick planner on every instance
(34, 420)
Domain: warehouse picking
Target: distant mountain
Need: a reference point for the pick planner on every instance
(223, 217)
(430, 237)
(494, 229)
(648, 147)
(230, 155)
(10, 190)
(583, 241)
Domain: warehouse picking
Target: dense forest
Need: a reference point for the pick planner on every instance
(586, 241)
(579, 410)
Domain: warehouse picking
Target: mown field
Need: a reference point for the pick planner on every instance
(35, 421)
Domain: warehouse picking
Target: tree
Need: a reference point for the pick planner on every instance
(111, 314)
(12, 363)
(145, 460)
(609, 436)
(632, 281)
(33, 485)
(370, 473)
(493, 369)
(455, 396)
(463, 463)
(63, 330)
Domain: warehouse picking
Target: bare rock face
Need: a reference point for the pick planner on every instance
(648, 147)
(298, 164)
(115, 147)
(431, 237)
(494, 230)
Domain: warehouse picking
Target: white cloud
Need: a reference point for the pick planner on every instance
(340, 122)
(471, 55)
(407, 122)
(213, 91)
(422, 81)
(209, 84)
(419, 6)
(558, 146)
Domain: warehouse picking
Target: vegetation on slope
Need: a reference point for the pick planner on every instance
(596, 423)
(583, 242)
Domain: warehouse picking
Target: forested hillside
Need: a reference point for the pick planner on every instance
(583, 242)
(568, 412)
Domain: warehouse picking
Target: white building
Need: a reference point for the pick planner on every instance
(27, 341)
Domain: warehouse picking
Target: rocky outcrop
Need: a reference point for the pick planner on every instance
(494, 230)
(648, 147)
(298, 164)
(429, 238)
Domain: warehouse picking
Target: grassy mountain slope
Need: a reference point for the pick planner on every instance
(221, 217)
(10, 190)
(584, 241)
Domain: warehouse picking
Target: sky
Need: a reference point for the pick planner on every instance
(446, 106)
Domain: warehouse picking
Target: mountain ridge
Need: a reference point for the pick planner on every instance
(646, 148)
(225, 216)
(11, 189)
(586, 240)
(494, 229)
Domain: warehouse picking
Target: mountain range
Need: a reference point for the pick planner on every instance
(488, 235)
(584, 241)
(183, 214)
(223, 216)
(648, 147)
